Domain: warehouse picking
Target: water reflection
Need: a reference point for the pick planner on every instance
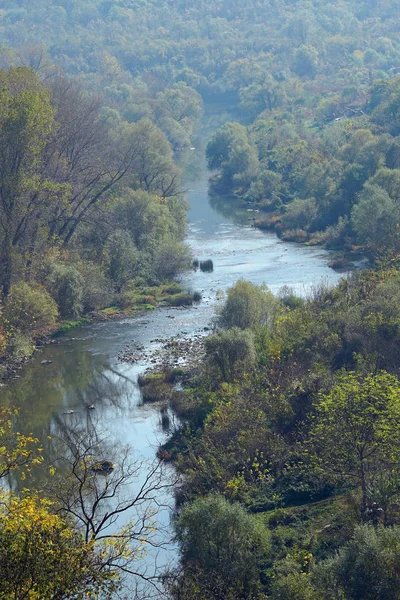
(84, 370)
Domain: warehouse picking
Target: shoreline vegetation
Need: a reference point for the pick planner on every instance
(258, 406)
(141, 301)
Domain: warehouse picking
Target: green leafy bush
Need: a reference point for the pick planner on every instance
(66, 285)
(225, 545)
(98, 291)
(231, 352)
(30, 308)
(171, 258)
(247, 305)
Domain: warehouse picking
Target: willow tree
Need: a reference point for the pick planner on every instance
(26, 194)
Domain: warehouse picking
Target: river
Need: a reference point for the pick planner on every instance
(85, 369)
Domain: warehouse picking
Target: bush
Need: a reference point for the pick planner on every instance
(172, 288)
(293, 586)
(207, 266)
(170, 258)
(66, 285)
(288, 298)
(181, 300)
(121, 257)
(98, 292)
(247, 305)
(366, 568)
(231, 352)
(20, 346)
(294, 235)
(224, 544)
(156, 391)
(30, 308)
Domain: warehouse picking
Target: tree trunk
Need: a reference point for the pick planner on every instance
(6, 265)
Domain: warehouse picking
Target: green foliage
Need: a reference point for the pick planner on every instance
(231, 352)
(121, 258)
(180, 300)
(170, 258)
(247, 305)
(98, 291)
(29, 308)
(376, 218)
(66, 285)
(225, 544)
(359, 419)
(366, 568)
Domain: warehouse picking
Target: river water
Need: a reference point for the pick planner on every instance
(85, 368)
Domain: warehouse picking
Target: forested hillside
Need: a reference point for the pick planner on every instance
(91, 212)
(315, 82)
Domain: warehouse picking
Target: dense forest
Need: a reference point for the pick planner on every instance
(287, 447)
(91, 213)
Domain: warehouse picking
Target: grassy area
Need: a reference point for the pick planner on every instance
(149, 297)
(319, 528)
(66, 326)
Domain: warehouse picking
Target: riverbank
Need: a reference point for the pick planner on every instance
(84, 367)
(135, 304)
(345, 254)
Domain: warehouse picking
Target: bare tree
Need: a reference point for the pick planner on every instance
(117, 502)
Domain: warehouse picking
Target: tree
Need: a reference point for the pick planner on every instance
(26, 194)
(29, 308)
(365, 568)
(230, 152)
(375, 218)
(43, 557)
(354, 434)
(121, 258)
(231, 352)
(305, 61)
(265, 95)
(90, 487)
(247, 305)
(148, 158)
(16, 450)
(223, 546)
(170, 258)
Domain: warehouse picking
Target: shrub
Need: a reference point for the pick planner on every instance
(121, 257)
(231, 352)
(30, 308)
(97, 292)
(197, 297)
(224, 544)
(366, 568)
(156, 391)
(181, 300)
(294, 235)
(172, 288)
(170, 258)
(66, 285)
(20, 346)
(288, 297)
(247, 305)
(300, 214)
